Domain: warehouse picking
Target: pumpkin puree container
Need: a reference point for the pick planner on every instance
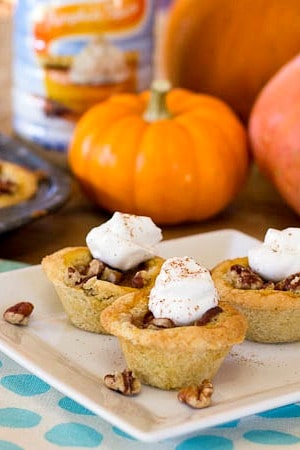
(70, 55)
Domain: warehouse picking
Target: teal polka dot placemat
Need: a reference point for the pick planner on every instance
(34, 416)
(6, 265)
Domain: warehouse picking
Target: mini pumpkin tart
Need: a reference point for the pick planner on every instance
(17, 183)
(272, 308)
(169, 356)
(86, 285)
(119, 258)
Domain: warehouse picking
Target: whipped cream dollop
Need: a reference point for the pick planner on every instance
(99, 62)
(278, 256)
(183, 291)
(124, 241)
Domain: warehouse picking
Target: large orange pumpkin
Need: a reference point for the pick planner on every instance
(274, 130)
(230, 48)
(176, 156)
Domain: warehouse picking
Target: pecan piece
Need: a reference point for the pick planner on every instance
(269, 285)
(197, 396)
(140, 279)
(95, 268)
(160, 323)
(19, 313)
(7, 186)
(208, 316)
(291, 283)
(149, 321)
(76, 276)
(244, 278)
(111, 275)
(123, 382)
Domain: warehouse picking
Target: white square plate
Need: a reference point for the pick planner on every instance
(253, 378)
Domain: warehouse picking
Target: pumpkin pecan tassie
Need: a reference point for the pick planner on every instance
(265, 286)
(272, 309)
(172, 351)
(88, 279)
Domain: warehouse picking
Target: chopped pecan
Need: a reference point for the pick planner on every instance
(269, 285)
(80, 274)
(197, 396)
(142, 322)
(148, 317)
(150, 322)
(111, 275)
(7, 186)
(244, 278)
(123, 382)
(140, 279)
(19, 313)
(76, 276)
(160, 324)
(208, 316)
(95, 268)
(291, 283)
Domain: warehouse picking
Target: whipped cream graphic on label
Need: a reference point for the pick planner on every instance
(183, 291)
(278, 256)
(99, 62)
(124, 241)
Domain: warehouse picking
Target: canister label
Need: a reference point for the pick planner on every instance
(70, 55)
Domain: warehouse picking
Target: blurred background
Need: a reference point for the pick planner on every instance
(186, 49)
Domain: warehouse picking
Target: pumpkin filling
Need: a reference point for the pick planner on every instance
(150, 322)
(137, 277)
(243, 277)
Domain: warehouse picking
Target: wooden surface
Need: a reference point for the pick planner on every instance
(256, 208)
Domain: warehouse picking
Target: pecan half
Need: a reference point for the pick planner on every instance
(19, 313)
(123, 382)
(244, 278)
(197, 396)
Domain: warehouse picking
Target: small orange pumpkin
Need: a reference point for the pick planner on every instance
(174, 155)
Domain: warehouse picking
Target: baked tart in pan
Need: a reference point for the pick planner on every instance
(17, 183)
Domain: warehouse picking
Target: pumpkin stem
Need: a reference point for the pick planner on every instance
(157, 106)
